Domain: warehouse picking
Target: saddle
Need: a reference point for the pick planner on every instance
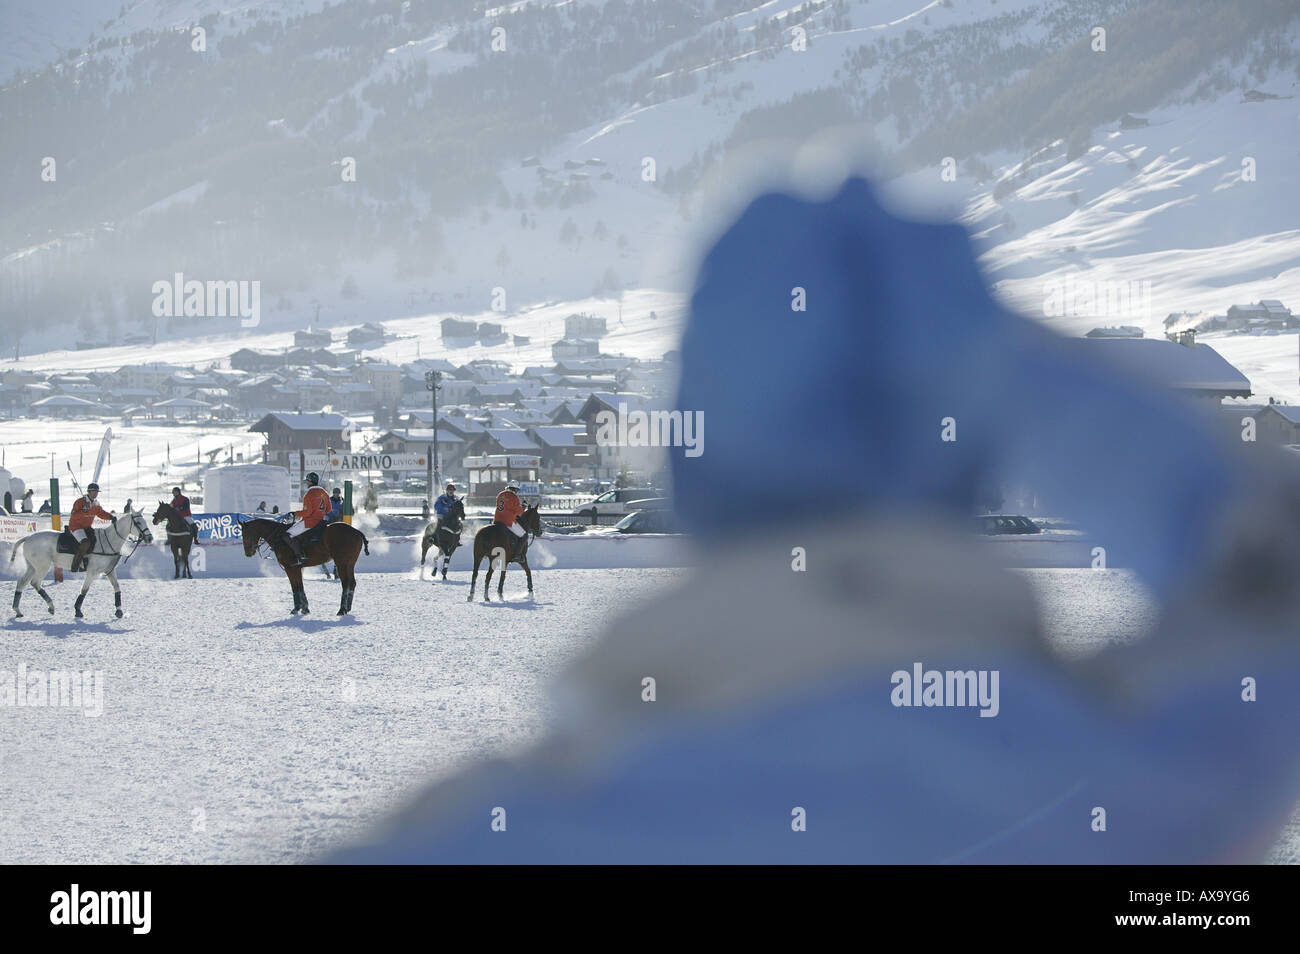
(67, 543)
(311, 536)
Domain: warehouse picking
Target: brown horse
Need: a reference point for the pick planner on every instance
(494, 542)
(339, 542)
(444, 533)
(179, 538)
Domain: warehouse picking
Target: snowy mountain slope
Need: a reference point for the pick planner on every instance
(30, 37)
(1200, 207)
(705, 102)
(678, 94)
(1187, 192)
(36, 33)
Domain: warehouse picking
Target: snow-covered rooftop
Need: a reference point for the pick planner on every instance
(1184, 367)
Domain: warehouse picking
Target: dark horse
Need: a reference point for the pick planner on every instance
(339, 542)
(179, 538)
(494, 542)
(445, 534)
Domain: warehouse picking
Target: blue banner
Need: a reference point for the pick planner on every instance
(224, 527)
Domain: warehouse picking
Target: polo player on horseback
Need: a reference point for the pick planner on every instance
(315, 508)
(81, 523)
(442, 506)
(509, 507)
(181, 504)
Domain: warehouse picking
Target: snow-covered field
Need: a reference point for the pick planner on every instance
(231, 732)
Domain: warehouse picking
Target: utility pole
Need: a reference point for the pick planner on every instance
(431, 382)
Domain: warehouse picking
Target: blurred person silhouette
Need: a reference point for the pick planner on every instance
(779, 669)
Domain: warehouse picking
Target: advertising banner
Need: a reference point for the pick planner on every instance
(13, 529)
(224, 527)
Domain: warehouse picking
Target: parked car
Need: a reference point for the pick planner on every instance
(1000, 523)
(650, 503)
(615, 501)
(649, 521)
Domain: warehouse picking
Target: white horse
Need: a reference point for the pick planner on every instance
(40, 552)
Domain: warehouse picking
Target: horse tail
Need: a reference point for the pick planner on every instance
(365, 544)
(14, 552)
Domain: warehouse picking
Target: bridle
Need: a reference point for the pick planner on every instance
(538, 532)
(265, 540)
(170, 515)
(143, 535)
(457, 515)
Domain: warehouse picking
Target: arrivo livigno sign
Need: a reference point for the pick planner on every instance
(358, 462)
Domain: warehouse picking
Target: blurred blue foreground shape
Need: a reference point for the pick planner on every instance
(773, 736)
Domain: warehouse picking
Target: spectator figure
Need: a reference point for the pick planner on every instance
(27, 502)
(45, 508)
(424, 511)
(336, 505)
(127, 506)
(809, 685)
(261, 507)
